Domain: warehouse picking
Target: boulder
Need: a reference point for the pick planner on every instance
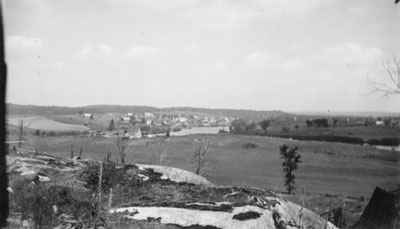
(382, 211)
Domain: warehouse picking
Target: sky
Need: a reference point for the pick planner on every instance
(303, 55)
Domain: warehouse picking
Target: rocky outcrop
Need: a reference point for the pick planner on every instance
(178, 175)
(382, 211)
(142, 196)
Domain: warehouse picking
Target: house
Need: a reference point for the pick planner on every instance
(223, 121)
(148, 115)
(204, 122)
(87, 115)
(181, 119)
(148, 121)
(380, 123)
(129, 114)
(135, 133)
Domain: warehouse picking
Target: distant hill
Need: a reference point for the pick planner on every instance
(27, 110)
(349, 113)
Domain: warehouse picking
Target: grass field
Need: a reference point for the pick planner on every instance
(364, 132)
(100, 121)
(45, 124)
(326, 167)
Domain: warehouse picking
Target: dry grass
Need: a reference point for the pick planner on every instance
(45, 124)
(327, 167)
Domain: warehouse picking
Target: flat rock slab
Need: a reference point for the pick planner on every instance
(178, 175)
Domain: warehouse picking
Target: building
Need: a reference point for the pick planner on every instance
(135, 133)
(148, 115)
(87, 115)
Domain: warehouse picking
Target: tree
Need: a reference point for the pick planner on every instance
(321, 123)
(122, 144)
(238, 126)
(265, 124)
(21, 128)
(111, 125)
(160, 154)
(132, 120)
(251, 127)
(391, 85)
(199, 157)
(290, 160)
(334, 122)
(309, 123)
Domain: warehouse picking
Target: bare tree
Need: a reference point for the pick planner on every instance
(391, 85)
(160, 154)
(199, 157)
(21, 129)
(122, 145)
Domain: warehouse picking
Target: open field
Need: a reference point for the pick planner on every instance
(348, 173)
(45, 124)
(364, 132)
(326, 167)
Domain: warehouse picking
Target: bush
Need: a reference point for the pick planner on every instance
(342, 139)
(385, 141)
(176, 129)
(238, 126)
(37, 201)
(285, 129)
(110, 177)
(250, 145)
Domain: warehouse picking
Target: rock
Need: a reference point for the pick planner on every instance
(178, 175)
(284, 215)
(184, 200)
(247, 216)
(382, 211)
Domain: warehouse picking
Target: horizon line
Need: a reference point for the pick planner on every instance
(150, 106)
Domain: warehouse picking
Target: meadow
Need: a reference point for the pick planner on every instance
(360, 131)
(344, 173)
(45, 124)
(326, 168)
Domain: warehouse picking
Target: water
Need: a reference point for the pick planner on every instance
(389, 148)
(199, 130)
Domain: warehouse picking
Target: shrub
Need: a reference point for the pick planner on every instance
(290, 160)
(385, 141)
(238, 126)
(250, 145)
(343, 139)
(111, 176)
(37, 201)
(176, 129)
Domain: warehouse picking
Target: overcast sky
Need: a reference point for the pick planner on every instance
(312, 55)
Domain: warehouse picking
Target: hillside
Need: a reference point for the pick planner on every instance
(65, 193)
(349, 113)
(27, 110)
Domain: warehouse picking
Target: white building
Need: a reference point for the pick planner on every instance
(87, 115)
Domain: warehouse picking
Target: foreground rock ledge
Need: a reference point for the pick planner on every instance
(145, 196)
